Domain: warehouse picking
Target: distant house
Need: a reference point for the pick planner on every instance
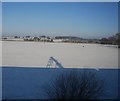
(57, 40)
(16, 36)
(28, 38)
(36, 39)
(46, 39)
(4, 38)
(12, 38)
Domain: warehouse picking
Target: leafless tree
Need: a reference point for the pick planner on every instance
(75, 85)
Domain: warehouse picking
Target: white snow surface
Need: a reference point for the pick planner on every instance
(36, 54)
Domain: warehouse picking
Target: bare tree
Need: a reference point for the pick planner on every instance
(75, 85)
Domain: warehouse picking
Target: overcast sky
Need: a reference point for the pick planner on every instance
(88, 20)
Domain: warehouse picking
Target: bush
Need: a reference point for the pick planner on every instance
(74, 85)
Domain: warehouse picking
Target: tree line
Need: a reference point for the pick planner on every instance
(114, 40)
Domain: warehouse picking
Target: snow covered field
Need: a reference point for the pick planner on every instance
(36, 54)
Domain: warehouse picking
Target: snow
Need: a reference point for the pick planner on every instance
(27, 83)
(37, 54)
